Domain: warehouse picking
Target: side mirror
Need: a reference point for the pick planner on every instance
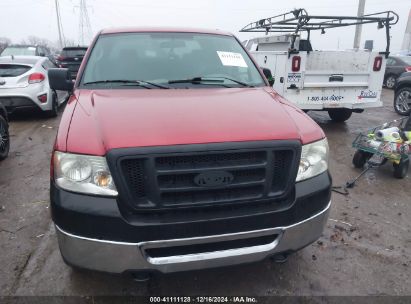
(60, 79)
(268, 75)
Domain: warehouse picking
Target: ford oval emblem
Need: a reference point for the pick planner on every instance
(213, 179)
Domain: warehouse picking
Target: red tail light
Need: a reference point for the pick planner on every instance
(60, 58)
(36, 77)
(296, 64)
(408, 69)
(42, 98)
(377, 64)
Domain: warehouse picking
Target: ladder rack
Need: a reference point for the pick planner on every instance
(299, 20)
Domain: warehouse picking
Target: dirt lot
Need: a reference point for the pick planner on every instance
(365, 249)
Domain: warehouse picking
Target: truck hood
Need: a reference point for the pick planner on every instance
(123, 118)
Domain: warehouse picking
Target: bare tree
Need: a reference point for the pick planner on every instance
(4, 42)
(38, 41)
(70, 42)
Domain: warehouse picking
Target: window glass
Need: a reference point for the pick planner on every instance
(29, 51)
(161, 57)
(13, 70)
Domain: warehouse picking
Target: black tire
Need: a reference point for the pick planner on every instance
(360, 158)
(339, 115)
(390, 81)
(4, 138)
(402, 101)
(401, 169)
(55, 107)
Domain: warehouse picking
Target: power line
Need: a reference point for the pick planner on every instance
(84, 23)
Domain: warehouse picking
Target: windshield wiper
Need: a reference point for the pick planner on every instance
(197, 80)
(153, 84)
(237, 81)
(128, 82)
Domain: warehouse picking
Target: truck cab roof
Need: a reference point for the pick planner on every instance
(116, 30)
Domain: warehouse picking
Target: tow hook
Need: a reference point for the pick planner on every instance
(280, 258)
(141, 276)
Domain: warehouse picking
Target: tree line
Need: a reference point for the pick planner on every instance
(34, 40)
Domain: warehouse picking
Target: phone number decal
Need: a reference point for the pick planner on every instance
(325, 98)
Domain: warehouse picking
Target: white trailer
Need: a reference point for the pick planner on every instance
(340, 82)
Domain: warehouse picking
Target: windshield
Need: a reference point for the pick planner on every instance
(26, 51)
(406, 59)
(163, 58)
(73, 52)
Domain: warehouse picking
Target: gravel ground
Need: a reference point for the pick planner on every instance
(365, 248)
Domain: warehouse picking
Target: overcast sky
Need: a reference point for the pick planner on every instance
(21, 18)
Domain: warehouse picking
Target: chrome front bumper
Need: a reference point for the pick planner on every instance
(118, 257)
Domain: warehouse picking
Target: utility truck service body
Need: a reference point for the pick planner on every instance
(338, 81)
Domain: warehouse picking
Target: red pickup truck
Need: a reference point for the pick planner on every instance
(174, 153)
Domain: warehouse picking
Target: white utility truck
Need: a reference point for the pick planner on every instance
(337, 81)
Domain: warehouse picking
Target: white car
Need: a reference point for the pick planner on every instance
(24, 85)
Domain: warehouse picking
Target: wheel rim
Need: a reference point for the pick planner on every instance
(390, 82)
(403, 101)
(4, 138)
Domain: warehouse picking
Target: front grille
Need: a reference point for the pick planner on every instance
(204, 196)
(282, 160)
(133, 171)
(203, 178)
(208, 161)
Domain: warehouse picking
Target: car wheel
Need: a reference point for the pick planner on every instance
(340, 115)
(54, 108)
(402, 101)
(360, 158)
(4, 138)
(390, 82)
(401, 169)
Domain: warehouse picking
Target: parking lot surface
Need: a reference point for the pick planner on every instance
(365, 248)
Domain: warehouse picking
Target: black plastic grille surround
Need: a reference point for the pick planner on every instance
(164, 177)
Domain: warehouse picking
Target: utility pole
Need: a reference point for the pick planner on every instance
(59, 23)
(358, 28)
(406, 43)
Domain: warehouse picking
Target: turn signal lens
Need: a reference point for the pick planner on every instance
(102, 179)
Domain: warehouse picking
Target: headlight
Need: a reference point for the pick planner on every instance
(83, 174)
(314, 160)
